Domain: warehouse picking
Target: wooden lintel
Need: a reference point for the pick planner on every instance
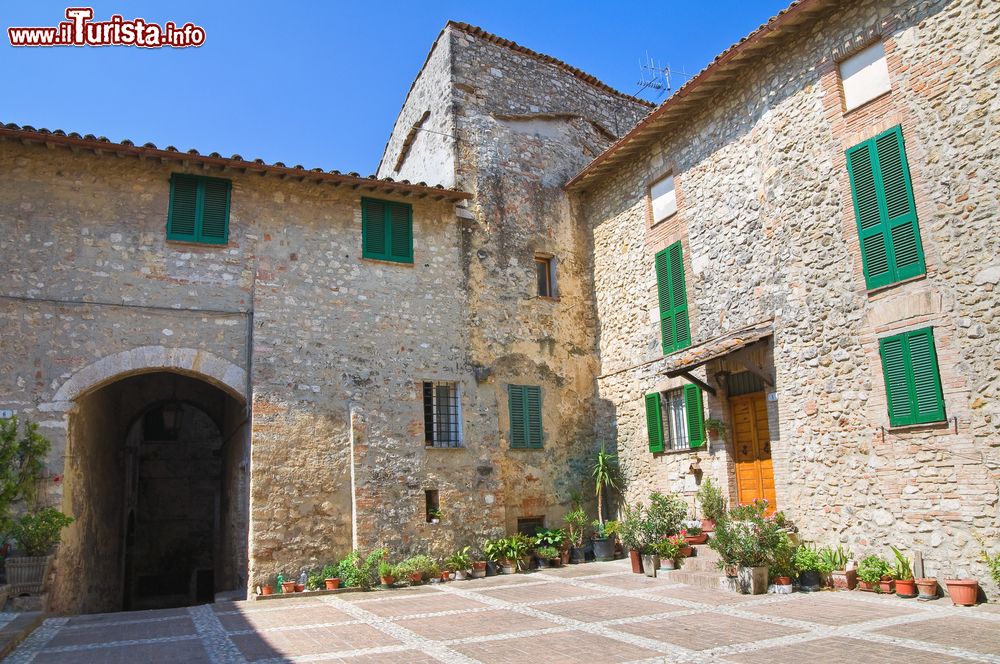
(698, 381)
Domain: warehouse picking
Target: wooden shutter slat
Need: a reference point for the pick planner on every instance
(214, 211)
(654, 423)
(695, 414)
(182, 216)
(928, 403)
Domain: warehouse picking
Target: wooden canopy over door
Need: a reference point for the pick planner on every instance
(752, 441)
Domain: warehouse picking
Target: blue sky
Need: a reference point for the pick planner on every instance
(320, 83)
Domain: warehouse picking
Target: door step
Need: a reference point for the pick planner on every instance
(699, 579)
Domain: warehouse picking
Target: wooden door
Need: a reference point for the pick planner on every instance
(752, 442)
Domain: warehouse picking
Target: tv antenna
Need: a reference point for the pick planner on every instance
(655, 78)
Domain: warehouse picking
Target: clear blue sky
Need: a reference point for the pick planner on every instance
(320, 83)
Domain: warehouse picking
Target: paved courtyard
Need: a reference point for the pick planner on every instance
(595, 612)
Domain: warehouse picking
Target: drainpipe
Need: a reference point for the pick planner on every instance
(354, 493)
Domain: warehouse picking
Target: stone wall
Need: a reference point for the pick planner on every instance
(769, 233)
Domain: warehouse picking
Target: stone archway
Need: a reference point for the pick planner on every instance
(104, 405)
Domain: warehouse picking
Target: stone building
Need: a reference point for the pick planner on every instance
(849, 375)
(249, 368)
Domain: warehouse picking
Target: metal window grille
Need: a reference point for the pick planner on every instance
(672, 402)
(442, 415)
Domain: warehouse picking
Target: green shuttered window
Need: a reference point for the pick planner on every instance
(386, 230)
(912, 381)
(886, 214)
(675, 330)
(525, 403)
(675, 419)
(199, 209)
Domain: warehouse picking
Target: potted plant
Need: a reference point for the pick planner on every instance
(513, 550)
(963, 592)
(782, 565)
(267, 589)
(809, 565)
(747, 538)
(695, 535)
(870, 571)
(667, 549)
(546, 556)
(460, 562)
(555, 538)
(631, 530)
(576, 525)
(903, 575)
(435, 515)
(713, 504)
(386, 573)
(605, 473)
(287, 587)
(838, 560)
(927, 588)
(493, 552)
(37, 534)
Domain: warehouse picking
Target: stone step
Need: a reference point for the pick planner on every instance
(700, 564)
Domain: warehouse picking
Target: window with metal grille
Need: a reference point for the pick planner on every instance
(672, 403)
(675, 419)
(442, 415)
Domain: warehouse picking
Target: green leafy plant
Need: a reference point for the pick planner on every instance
(872, 568)
(902, 571)
(692, 530)
(493, 549)
(423, 564)
(668, 547)
(357, 572)
(665, 513)
(37, 533)
(386, 569)
(547, 552)
(834, 559)
(605, 473)
(554, 538)
(515, 547)
(808, 559)
(711, 500)
(435, 513)
(22, 460)
(746, 537)
(460, 560)
(631, 528)
(992, 561)
(576, 525)
(783, 557)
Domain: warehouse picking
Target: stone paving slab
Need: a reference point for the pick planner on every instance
(581, 613)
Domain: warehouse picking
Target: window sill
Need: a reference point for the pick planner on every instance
(887, 287)
(525, 449)
(689, 450)
(203, 245)
(383, 261)
(867, 102)
(926, 426)
(546, 298)
(664, 220)
(442, 447)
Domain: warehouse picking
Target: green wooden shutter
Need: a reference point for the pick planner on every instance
(900, 209)
(533, 415)
(654, 422)
(695, 413)
(518, 434)
(675, 329)
(885, 211)
(214, 228)
(912, 379)
(400, 232)
(182, 215)
(374, 240)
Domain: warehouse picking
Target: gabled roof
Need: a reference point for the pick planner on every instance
(476, 31)
(100, 145)
(687, 99)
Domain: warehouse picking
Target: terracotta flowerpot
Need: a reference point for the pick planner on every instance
(844, 579)
(667, 564)
(479, 565)
(387, 580)
(636, 561)
(300, 588)
(928, 588)
(708, 525)
(782, 580)
(963, 592)
(685, 551)
(906, 588)
(564, 554)
(887, 586)
(555, 562)
(287, 586)
(866, 586)
(445, 575)
(267, 590)
(416, 578)
(332, 584)
(696, 539)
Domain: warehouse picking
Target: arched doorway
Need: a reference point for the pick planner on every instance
(157, 476)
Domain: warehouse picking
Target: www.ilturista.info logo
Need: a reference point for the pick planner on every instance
(80, 30)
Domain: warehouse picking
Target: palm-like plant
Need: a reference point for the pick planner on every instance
(605, 477)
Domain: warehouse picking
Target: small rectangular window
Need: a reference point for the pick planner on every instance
(545, 275)
(864, 76)
(531, 525)
(664, 198)
(442, 415)
(199, 209)
(432, 506)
